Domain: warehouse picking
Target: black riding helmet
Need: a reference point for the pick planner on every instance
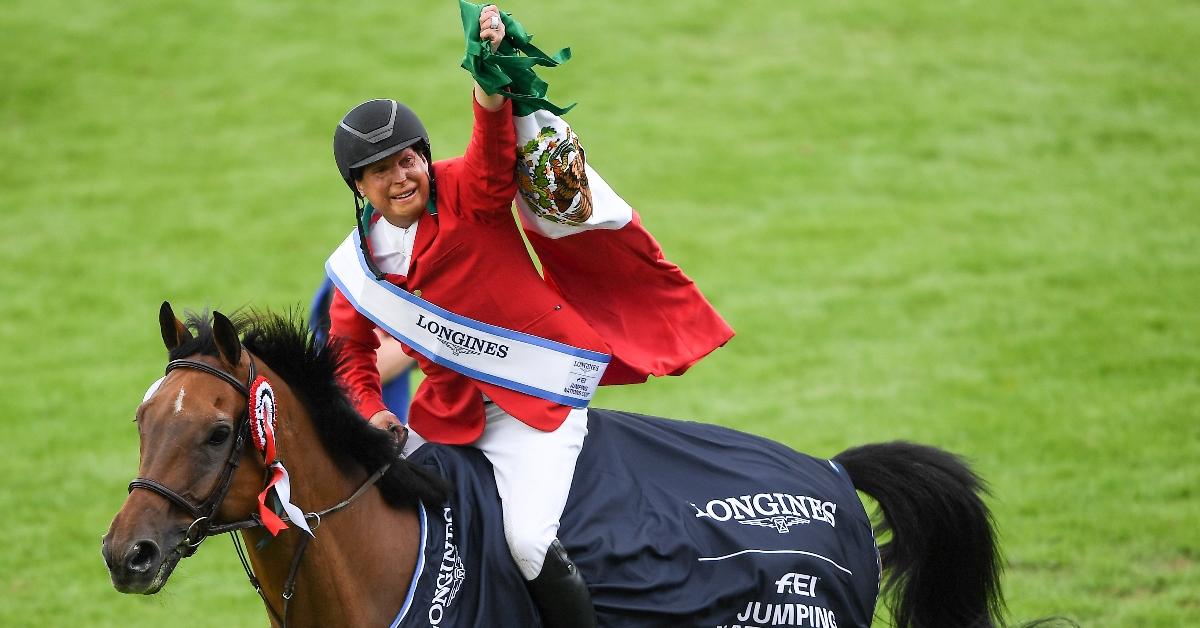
(374, 130)
(369, 132)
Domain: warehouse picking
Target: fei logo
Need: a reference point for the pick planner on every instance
(798, 584)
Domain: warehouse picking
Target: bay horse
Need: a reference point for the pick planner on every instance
(390, 550)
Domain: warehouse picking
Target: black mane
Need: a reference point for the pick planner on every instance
(286, 345)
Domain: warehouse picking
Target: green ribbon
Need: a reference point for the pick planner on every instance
(511, 65)
(365, 220)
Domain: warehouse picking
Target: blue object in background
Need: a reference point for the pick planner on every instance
(395, 392)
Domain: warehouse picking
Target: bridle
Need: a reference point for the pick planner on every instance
(202, 526)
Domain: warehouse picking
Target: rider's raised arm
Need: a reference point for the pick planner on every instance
(491, 29)
(490, 158)
(490, 162)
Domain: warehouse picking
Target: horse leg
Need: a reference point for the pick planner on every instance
(943, 563)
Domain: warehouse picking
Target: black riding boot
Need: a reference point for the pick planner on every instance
(561, 596)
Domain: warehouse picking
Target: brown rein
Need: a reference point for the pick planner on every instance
(202, 527)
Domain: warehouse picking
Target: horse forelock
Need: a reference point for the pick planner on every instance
(284, 343)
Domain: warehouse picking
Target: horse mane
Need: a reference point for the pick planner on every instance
(285, 344)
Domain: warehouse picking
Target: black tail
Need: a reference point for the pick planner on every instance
(942, 562)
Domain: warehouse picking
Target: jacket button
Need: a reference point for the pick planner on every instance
(417, 292)
(558, 307)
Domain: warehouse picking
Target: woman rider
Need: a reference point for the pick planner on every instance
(444, 231)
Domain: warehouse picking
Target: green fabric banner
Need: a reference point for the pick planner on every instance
(511, 65)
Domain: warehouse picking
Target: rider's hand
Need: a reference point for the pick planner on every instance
(385, 420)
(490, 102)
(486, 32)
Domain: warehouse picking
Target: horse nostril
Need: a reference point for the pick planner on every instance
(141, 556)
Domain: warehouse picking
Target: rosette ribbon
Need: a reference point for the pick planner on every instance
(262, 431)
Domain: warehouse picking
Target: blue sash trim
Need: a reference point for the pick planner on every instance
(412, 586)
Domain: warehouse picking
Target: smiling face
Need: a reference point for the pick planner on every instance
(397, 186)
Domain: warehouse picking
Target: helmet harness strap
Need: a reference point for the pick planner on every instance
(360, 224)
(431, 204)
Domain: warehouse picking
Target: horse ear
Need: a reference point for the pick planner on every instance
(174, 332)
(227, 339)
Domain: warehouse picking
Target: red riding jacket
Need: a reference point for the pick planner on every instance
(471, 259)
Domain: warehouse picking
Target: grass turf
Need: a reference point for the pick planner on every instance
(965, 223)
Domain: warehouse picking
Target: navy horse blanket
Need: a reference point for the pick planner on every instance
(671, 523)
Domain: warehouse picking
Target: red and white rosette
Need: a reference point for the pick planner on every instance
(262, 432)
(262, 417)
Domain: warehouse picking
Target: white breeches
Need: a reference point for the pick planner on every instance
(533, 471)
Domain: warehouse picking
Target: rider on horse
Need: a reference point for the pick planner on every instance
(438, 261)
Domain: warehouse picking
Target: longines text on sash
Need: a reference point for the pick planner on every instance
(461, 339)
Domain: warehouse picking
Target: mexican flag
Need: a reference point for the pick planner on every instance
(591, 243)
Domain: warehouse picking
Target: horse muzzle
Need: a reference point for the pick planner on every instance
(140, 558)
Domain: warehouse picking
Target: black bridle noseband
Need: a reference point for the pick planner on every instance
(202, 527)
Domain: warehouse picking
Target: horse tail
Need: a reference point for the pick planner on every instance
(942, 563)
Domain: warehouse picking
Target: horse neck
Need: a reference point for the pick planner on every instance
(357, 568)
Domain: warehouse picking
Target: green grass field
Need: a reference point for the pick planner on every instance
(966, 223)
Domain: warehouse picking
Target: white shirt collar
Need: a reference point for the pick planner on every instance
(392, 246)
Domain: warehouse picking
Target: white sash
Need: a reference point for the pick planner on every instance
(535, 366)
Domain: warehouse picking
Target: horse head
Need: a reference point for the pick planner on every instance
(192, 426)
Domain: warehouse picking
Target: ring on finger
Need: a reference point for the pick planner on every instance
(494, 23)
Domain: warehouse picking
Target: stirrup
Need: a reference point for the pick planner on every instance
(560, 593)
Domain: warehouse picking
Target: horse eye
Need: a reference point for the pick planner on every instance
(219, 435)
